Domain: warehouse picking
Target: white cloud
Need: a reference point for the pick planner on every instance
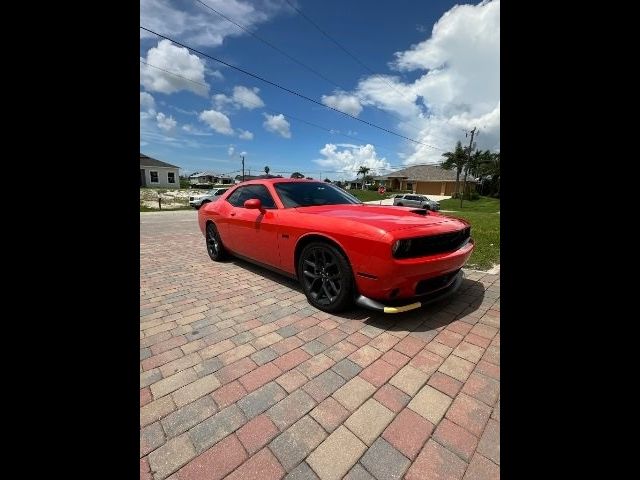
(344, 102)
(191, 130)
(247, 98)
(198, 25)
(242, 97)
(349, 158)
(231, 150)
(217, 121)
(177, 60)
(147, 101)
(245, 134)
(458, 85)
(277, 124)
(243, 153)
(165, 123)
(216, 74)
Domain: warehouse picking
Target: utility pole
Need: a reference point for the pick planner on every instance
(242, 156)
(464, 184)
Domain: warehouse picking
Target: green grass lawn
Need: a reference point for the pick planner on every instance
(483, 204)
(368, 195)
(484, 218)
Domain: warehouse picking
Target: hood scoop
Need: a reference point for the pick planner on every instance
(420, 211)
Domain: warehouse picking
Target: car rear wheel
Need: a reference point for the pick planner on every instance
(326, 277)
(215, 249)
(400, 204)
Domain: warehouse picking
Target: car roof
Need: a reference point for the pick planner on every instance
(279, 180)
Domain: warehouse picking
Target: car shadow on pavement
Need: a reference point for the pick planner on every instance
(466, 300)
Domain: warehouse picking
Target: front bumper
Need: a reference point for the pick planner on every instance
(402, 279)
(439, 294)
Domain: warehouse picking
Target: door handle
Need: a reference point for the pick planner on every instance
(233, 214)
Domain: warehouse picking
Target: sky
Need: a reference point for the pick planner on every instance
(424, 72)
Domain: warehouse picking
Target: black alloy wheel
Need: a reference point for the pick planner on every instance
(215, 249)
(326, 277)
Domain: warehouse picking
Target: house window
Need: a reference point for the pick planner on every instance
(171, 176)
(154, 177)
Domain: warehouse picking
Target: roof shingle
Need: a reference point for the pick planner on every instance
(146, 161)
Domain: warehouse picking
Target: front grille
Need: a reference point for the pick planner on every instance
(446, 242)
(432, 284)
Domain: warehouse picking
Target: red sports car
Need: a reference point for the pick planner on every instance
(386, 258)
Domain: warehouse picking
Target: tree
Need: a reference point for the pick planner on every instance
(363, 171)
(327, 180)
(473, 167)
(456, 159)
(266, 169)
(297, 175)
(490, 173)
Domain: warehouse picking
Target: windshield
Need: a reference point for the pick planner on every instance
(307, 194)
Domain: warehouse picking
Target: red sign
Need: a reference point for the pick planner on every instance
(381, 190)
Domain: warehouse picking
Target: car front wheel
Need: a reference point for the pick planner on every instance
(326, 277)
(215, 249)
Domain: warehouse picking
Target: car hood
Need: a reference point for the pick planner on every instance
(379, 216)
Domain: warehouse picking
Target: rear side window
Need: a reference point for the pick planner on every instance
(242, 194)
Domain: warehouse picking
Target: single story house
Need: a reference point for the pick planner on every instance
(156, 173)
(355, 184)
(238, 178)
(424, 179)
(207, 179)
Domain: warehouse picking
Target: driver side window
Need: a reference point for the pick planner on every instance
(242, 194)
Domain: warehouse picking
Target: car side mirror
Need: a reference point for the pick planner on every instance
(254, 204)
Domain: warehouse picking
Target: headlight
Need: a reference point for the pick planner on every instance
(400, 247)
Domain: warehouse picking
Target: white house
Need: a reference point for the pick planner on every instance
(207, 179)
(155, 173)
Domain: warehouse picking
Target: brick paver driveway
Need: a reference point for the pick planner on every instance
(241, 378)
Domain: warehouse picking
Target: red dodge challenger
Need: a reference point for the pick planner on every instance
(386, 258)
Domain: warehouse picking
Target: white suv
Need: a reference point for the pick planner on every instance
(211, 196)
(413, 200)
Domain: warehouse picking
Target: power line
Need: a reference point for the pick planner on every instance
(282, 52)
(293, 92)
(331, 131)
(335, 42)
(302, 64)
(362, 64)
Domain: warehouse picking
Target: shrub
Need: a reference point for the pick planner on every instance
(473, 195)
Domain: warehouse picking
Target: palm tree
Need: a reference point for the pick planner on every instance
(456, 159)
(492, 169)
(266, 169)
(363, 170)
(297, 175)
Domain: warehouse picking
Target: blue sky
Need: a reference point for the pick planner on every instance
(436, 74)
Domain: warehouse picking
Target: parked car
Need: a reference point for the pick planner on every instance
(412, 200)
(211, 196)
(340, 249)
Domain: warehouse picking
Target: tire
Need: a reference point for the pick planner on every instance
(204, 202)
(215, 249)
(400, 205)
(326, 277)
